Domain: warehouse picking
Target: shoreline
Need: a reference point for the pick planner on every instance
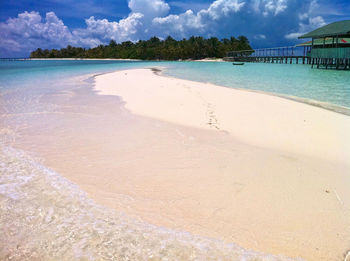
(87, 59)
(213, 161)
(320, 104)
(119, 59)
(162, 239)
(302, 133)
(244, 93)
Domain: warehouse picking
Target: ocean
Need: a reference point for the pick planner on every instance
(294, 80)
(43, 216)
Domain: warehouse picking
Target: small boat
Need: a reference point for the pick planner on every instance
(237, 63)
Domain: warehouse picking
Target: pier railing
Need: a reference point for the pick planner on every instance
(285, 54)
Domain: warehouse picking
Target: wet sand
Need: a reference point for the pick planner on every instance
(264, 172)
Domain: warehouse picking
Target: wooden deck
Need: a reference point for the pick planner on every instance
(286, 54)
(271, 59)
(331, 63)
(324, 58)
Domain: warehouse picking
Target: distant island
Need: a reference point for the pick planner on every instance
(153, 49)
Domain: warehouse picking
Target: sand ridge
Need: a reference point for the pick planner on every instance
(255, 118)
(296, 154)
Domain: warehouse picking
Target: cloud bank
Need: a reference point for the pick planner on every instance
(264, 22)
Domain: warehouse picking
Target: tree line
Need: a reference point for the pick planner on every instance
(153, 49)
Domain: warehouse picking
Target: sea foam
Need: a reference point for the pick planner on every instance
(43, 216)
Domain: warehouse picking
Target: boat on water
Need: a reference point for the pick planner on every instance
(236, 63)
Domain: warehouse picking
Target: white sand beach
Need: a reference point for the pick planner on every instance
(253, 118)
(267, 173)
(284, 189)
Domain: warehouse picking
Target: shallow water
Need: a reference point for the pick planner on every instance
(330, 86)
(45, 217)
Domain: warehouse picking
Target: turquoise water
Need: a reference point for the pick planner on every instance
(17, 74)
(328, 86)
(301, 81)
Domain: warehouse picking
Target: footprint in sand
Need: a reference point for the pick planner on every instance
(212, 120)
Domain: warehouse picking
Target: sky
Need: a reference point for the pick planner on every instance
(26, 25)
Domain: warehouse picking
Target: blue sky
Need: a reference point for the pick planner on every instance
(26, 25)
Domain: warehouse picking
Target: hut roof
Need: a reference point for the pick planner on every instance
(333, 29)
(328, 40)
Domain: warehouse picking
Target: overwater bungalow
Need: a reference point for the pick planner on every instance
(330, 45)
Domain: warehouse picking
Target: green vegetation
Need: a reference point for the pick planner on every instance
(153, 49)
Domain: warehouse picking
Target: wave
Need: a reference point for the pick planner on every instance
(43, 216)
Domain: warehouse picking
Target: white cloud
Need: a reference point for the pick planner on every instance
(189, 5)
(267, 7)
(221, 8)
(29, 30)
(101, 30)
(150, 9)
(293, 36)
(308, 21)
(260, 36)
(10, 45)
(312, 24)
(274, 6)
(200, 22)
(269, 22)
(179, 25)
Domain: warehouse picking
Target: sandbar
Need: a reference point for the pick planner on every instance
(267, 173)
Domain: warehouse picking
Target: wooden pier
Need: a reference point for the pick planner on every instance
(272, 59)
(286, 55)
(331, 63)
(328, 49)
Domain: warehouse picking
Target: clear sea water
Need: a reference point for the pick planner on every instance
(328, 86)
(45, 217)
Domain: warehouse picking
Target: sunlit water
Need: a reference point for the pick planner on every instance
(300, 81)
(45, 217)
(329, 86)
